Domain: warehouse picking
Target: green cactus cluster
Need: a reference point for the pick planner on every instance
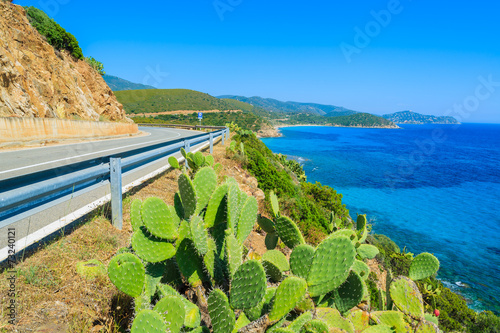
(188, 269)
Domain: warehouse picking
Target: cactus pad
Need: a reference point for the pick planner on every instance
(407, 297)
(241, 322)
(174, 163)
(199, 235)
(360, 319)
(350, 293)
(423, 266)
(159, 219)
(393, 319)
(190, 264)
(331, 264)
(288, 232)
(300, 260)
(379, 329)
(271, 240)
(266, 224)
(171, 308)
(233, 197)
(215, 212)
(291, 291)
(278, 258)
(150, 248)
(148, 321)
(221, 314)
(264, 305)
(247, 218)
(333, 319)
(367, 251)
(127, 273)
(298, 322)
(274, 204)
(234, 252)
(427, 327)
(188, 195)
(205, 183)
(248, 286)
(361, 268)
(135, 214)
(315, 326)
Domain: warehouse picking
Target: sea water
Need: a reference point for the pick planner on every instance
(430, 188)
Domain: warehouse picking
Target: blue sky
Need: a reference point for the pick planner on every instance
(374, 56)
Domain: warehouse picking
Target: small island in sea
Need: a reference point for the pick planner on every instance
(410, 117)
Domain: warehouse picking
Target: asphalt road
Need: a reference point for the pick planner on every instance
(30, 227)
(24, 161)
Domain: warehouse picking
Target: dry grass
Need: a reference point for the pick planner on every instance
(52, 297)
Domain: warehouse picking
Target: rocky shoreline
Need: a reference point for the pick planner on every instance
(274, 132)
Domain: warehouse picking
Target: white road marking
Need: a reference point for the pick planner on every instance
(73, 157)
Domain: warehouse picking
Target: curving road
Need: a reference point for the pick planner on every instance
(37, 164)
(24, 161)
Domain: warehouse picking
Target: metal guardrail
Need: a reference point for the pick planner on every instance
(29, 194)
(195, 127)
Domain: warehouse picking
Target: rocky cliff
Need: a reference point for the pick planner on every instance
(38, 81)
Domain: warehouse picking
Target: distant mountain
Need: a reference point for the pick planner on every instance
(292, 107)
(117, 84)
(409, 117)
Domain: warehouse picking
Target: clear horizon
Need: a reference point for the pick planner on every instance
(370, 56)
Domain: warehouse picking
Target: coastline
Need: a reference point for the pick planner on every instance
(276, 133)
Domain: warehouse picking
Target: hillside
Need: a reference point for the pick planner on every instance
(45, 80)
(161, 100)
(362, 120)
(118, 84)
(409, 117)
(290, 107)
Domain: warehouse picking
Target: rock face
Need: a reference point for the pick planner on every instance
(38, 81)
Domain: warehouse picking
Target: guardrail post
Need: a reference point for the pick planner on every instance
(115, 171)
(211, 143)
(222, 136)
(187, 148)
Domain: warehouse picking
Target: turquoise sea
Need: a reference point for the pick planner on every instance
(431, 188)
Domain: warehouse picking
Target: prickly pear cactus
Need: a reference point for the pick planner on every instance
(289, 293)
(160, 220)
(188, 195)
(275, 264)
(349, 294)
(288, 232)
(274, 204)
(135, 214)
(151, 248)
(423, 266)
(197, 244)
(407, 297)
(330, 266)
(148, 321)
(248, 286)
(300, 260)
(223, 318)
(171, 308)
(127, 273)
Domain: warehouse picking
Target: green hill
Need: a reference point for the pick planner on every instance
(409, 117)
(117, 84)
(160, 100)
(362, 120)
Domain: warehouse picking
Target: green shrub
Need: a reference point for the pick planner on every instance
(486, 322)
(98, 66)
(55, 34)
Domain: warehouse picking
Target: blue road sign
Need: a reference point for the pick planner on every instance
(200, 115)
